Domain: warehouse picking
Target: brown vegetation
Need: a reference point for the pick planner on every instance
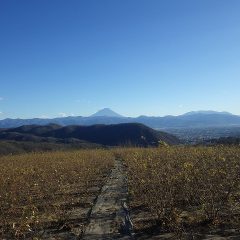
(37, 190)
(184, 189)
(188, 191)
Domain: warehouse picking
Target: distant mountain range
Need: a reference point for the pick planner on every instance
(207, 113)
(107, 116)
(126, 134)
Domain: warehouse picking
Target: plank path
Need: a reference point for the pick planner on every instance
(109, 218)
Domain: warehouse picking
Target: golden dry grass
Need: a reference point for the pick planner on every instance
(185, 189)
(175, 189)
(35, 188)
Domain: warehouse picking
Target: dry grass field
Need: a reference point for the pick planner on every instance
(191, 191)
(44, 190)
(184, 191)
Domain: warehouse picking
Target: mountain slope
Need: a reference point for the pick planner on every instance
(134, 134)
(35, 129)
(106, 112)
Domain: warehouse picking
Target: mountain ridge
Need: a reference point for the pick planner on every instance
(206, 112)
(191, 119)
(125, 134)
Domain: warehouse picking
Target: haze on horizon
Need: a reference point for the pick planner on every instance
(138, 57)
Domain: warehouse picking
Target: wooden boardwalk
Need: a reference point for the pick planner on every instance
(109, 218)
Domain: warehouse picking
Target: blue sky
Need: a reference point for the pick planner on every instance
(138, 57)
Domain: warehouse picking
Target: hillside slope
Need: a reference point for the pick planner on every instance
(133, 134)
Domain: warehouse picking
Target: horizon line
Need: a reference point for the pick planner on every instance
(122, 116)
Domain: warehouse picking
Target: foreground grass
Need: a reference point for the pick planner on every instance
(35, 188)
(184, 189)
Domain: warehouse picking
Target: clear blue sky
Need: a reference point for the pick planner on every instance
(138, 57)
